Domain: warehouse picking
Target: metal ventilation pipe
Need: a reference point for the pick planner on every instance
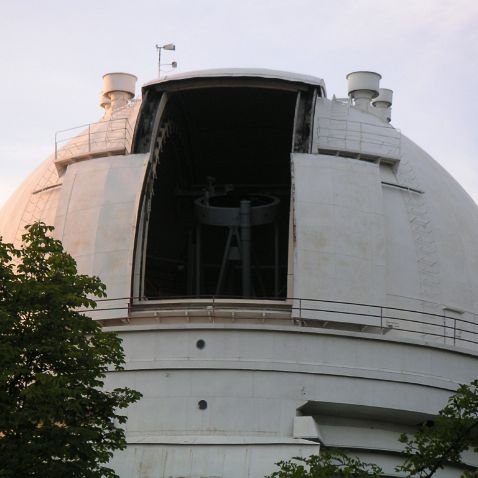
(119, 88)
(363, 87)
(383, 104)
(105, 103)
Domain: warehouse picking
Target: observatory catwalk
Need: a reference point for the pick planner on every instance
(288, 271)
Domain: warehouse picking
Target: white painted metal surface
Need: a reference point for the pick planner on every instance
(119, 88)
(363, 80)
(342, 129)
(96, 221)
(340, 235)
(363, 86)
(242, 73)
(383, 104)
(376, 225)
(125, 82)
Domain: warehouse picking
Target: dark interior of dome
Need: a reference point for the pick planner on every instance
(219, 218)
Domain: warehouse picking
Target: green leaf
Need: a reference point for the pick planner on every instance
(56, 419)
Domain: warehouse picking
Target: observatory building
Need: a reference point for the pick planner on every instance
(288, 272)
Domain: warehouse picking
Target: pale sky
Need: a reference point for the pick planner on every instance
(53, 54)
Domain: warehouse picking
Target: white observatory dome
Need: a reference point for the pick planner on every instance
(287, 272)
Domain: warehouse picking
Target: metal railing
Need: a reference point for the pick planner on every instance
(105, 137)
(421, 325)
(395, 322)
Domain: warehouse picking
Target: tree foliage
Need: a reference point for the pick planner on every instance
(435, 445)
(443, 441)
(326, 465)
(55, 417)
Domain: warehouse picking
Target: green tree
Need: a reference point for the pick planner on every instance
(436, 444)
(56, 419)
(444, 440)
(328, 464)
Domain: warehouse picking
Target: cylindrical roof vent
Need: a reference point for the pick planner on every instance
(385, 96)
(119, 82)
(119, 88)
(105, 102)
(363, 86)
(383, 104)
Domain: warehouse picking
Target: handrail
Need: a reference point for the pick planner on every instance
(103, 136)
(382, 319)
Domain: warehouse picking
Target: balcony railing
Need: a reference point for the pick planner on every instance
(105, 138)
(395, 322)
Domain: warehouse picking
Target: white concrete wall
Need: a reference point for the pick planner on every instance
(255, 379)
(206, 461)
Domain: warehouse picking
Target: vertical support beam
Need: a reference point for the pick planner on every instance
(276, 260)
(225, 258)
(190, 264)
(198, 260)
(245, 216)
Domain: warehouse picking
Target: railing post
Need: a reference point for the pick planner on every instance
(444, 328)
(381, 319)
(361, 138)
(454, 331)
(300, 308)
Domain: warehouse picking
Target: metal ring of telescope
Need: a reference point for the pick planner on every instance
(265, 211)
